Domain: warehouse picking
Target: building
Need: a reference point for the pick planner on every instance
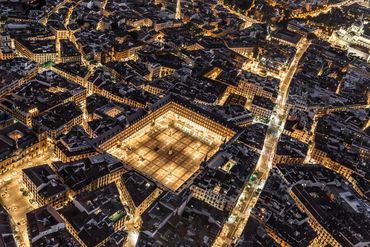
(286, 37)
(175, 221)
(338, 214)
(15, 72)
(41, 51)
(17, 142)
(262, 107)
(93, 217)
(138, 191)
(355, 39)
(299, 28)
(253, 136)
(254, 233)
(89, 173)
(290, 151)
(45, 186)
(58, 120)
(299, 124)
(46, 91)
(118, 239)
(75, 145)
(252, 85)
(281, 217)
(72, 71)
(58, 29)
(69, 52)
(126, 50)
(6, 232)
(224, 177)
(46, 227)
(6, 51)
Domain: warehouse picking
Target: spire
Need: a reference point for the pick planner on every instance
(178, 10)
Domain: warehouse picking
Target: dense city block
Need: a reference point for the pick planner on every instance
(184, 123)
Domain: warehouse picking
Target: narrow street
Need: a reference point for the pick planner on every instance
(238, 218)
(278, 118)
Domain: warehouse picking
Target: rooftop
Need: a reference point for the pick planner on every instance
(46, 182)
(92, 214)
(79, 174)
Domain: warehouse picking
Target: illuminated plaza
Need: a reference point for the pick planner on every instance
(169, 150)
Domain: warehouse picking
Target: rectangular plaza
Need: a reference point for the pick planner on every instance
(167, 155)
